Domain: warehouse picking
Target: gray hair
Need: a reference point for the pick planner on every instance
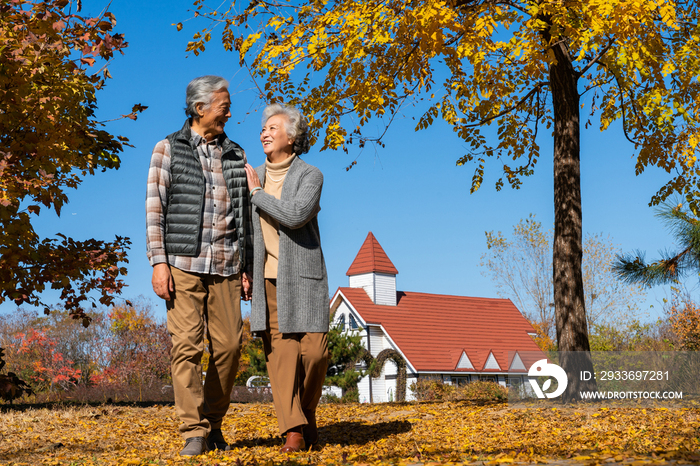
(296, 129)
(201, 90)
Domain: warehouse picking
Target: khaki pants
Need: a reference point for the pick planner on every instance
(216, 300)
(297, 365)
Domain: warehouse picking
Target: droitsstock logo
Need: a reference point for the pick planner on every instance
(544, 369)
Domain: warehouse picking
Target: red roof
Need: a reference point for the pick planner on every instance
(432, 331)
(371, 258)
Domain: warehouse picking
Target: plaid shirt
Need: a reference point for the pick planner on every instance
(218, 250)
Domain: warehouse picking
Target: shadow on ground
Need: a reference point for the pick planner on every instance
(339, 433)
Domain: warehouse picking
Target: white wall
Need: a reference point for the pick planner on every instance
(364, 281)
(379, 390)
(363, 389)
(385, 289)
(390, 368)
(410, 396)
(376, 340)
(380, 287)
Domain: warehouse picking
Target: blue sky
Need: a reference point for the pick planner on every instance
(411, 194)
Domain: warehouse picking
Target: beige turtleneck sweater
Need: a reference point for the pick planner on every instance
(274, 179)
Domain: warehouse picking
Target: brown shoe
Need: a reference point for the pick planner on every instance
(294, 443)
(310, 430)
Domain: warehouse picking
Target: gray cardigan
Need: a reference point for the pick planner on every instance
(302, 282)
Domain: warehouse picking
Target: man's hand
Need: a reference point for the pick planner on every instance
(247, 282)
(162, 281)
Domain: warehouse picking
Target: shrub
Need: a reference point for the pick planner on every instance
(429, 389)
(478, 391)
(436, 390)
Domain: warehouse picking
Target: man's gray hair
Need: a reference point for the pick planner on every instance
(201, 90)
(296, 129)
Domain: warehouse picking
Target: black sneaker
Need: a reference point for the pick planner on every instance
(194, 446)
(215, 441)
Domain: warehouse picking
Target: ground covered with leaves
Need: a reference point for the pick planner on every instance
(392, 433)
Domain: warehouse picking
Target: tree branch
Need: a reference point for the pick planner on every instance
(595, 59)
(471, 3)
(510, 109)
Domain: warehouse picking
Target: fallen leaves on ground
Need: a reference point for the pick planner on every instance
(361, 434)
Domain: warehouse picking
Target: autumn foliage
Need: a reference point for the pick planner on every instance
(427, 389)
(684, 318)
(124, 354)
(49, 141)
(479, 64)
(45, 367)
(426, 433)
(504, 76)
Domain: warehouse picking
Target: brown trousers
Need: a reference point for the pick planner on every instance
(297, 365)
(216, 300)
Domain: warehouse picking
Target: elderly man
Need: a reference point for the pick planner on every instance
(198, 227)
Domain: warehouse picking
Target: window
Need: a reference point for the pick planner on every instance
(460, 380)
(341, 322)
(353, 323)
(488, 378)
(513, 380)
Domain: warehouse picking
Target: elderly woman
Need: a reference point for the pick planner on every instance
(290, 308)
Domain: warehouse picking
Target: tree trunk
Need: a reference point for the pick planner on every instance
(570, 312)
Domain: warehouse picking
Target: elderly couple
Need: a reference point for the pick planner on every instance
(220, 231)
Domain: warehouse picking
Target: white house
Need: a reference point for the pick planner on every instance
(455, 338)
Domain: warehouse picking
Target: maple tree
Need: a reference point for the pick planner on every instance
(50, 140)
(46, 368)
(88, 347)
(527, 67)
(36, 354)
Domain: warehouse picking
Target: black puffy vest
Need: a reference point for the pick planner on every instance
(183, 218)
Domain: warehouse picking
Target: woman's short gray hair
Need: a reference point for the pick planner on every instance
(297, 128)
(201, 90)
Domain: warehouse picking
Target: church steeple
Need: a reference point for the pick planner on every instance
(373, 271)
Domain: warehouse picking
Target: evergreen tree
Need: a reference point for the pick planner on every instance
(673, 265)
(345, 349)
